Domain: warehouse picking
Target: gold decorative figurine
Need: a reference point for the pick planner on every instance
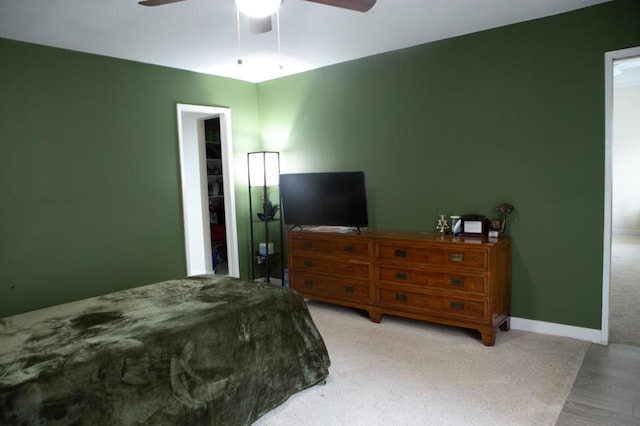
(442, 225)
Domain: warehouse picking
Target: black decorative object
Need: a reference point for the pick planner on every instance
(270, 211)
(499, 225)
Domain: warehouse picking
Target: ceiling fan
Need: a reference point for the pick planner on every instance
(262, 24)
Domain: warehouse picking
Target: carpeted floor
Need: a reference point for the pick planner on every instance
(405, 372)
(624, 308)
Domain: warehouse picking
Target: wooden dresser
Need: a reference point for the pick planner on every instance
(459, 281)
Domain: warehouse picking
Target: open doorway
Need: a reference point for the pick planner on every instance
(621, 282)
(625, 217)
(195, 188)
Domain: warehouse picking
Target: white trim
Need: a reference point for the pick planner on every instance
(609, 59)
(195, 204)
(553, 329)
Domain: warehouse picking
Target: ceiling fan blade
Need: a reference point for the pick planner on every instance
(157, 2)
(358, 5)
(260, 25)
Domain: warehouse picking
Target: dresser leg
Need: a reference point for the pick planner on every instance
(375, 316)
(488, 337)
(506, 324)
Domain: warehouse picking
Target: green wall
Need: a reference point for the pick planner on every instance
(457, 126)
(89, 172)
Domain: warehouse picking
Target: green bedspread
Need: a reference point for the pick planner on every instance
(208, 350)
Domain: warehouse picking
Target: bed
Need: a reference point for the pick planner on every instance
(201, 350)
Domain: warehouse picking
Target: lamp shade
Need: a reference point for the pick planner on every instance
(258, 8)
(264, 168)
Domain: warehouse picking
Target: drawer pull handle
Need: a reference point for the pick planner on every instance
(350, 289)
(348, 249)
(401, 297)
(308, 283)
(457, 306)
(456, 257)
(401, 275)
(457, 282)
(307, 244)
(308, 263)
(400, 253)
(350, 269)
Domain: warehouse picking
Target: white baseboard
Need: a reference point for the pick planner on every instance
(554, 329)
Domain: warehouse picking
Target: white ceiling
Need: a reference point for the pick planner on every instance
(200, 35)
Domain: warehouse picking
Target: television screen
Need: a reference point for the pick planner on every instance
(332, 198)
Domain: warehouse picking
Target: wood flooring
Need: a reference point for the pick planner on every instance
(607, 388)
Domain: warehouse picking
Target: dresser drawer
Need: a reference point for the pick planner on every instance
(461, 257)
(436, 304)
(334, 287)
(352, 249)
(345, 268)
(447, 280)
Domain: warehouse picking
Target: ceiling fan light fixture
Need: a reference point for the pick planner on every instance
(258, 8)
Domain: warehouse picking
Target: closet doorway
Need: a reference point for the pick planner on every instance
(215, 194)
(194, 169)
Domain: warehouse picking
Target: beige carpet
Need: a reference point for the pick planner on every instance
(405, 372)
(624, 296)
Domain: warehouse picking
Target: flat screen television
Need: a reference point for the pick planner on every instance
(324, 199)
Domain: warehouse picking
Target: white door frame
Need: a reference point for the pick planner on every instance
(195, 204)
(609, 59)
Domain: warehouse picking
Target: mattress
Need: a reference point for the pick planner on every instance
(202, 350)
